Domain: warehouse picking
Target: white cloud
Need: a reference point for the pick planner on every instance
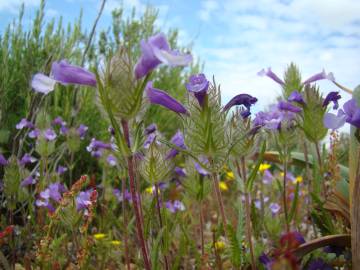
(14, 5)
(314, 34)
(207, 9)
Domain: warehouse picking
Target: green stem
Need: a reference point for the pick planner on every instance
(284, 190)
(242, 173)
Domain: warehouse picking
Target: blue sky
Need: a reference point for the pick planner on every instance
(238, 38)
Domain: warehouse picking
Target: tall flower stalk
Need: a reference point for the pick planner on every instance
(134, 197)
(242, 173)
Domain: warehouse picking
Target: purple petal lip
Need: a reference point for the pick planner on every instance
(27, 158)
(242, 99)
(197, 83)
(42, 83)
(81, 130)
(65, 73)
(178, 140)
(180, 171)
(156, 50)
(271, 75)
(332, 121)
(49, 134)
(24, 123)
(150, 129)
(295, 96)
(83, 200)
(332, 97)
(30, 180)
(287, 106)
(157, 96)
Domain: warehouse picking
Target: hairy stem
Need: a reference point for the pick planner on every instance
(318, 154)
(158, 206)
(126, 245)
(134, 196)
(242, 173)
(202, 229)
(219, 198)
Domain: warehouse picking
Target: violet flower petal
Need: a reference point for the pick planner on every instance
(242, 99)
(332, 97)
(3, 161)
(287, 106)
(42, 83)
(65, 73)
(320, 76)
(332, 121)
(271, 75)
(157, 96)
(295, 96)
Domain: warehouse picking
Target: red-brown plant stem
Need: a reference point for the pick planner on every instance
(134, 197)
(158, 206)
(242, 174)
(126, 245)
(219, 198)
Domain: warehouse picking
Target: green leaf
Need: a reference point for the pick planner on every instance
(250, 181)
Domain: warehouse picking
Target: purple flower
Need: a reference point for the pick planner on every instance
(175, 206)
(150, 129)
(42, 83)
(274, 208)
(127, 196)
(180, 171)
(320, 76)
(58, 121)
(30, 180)
(111, 130)
(265, 260)
(332, 121)
(53, 192)
(157, 96)
(64, 73)
(257, 204)
(61, 170)
(83, 200)
(295, 96)
(350, 114)
(3, 161)
(199, 168)
(271, 75)
(24, 123)
(274, 119)
(149, 140)
(178, 140)
(98, 145)
(49, 134)
(27, 158)
(332, 97)
(243, 99)
(81, 130)
(34, 133)
(268, 177)
(111, 160)
(287, 106)
(156, 50)
(198, 84)
(319, 264)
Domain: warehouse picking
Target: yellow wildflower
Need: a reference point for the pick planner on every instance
(99, 236)
(264, 166)
(230, 175)
(219, 245)
(223, 186)
(116, 242)
(150, 190)
(282, 174)
(298, 179)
